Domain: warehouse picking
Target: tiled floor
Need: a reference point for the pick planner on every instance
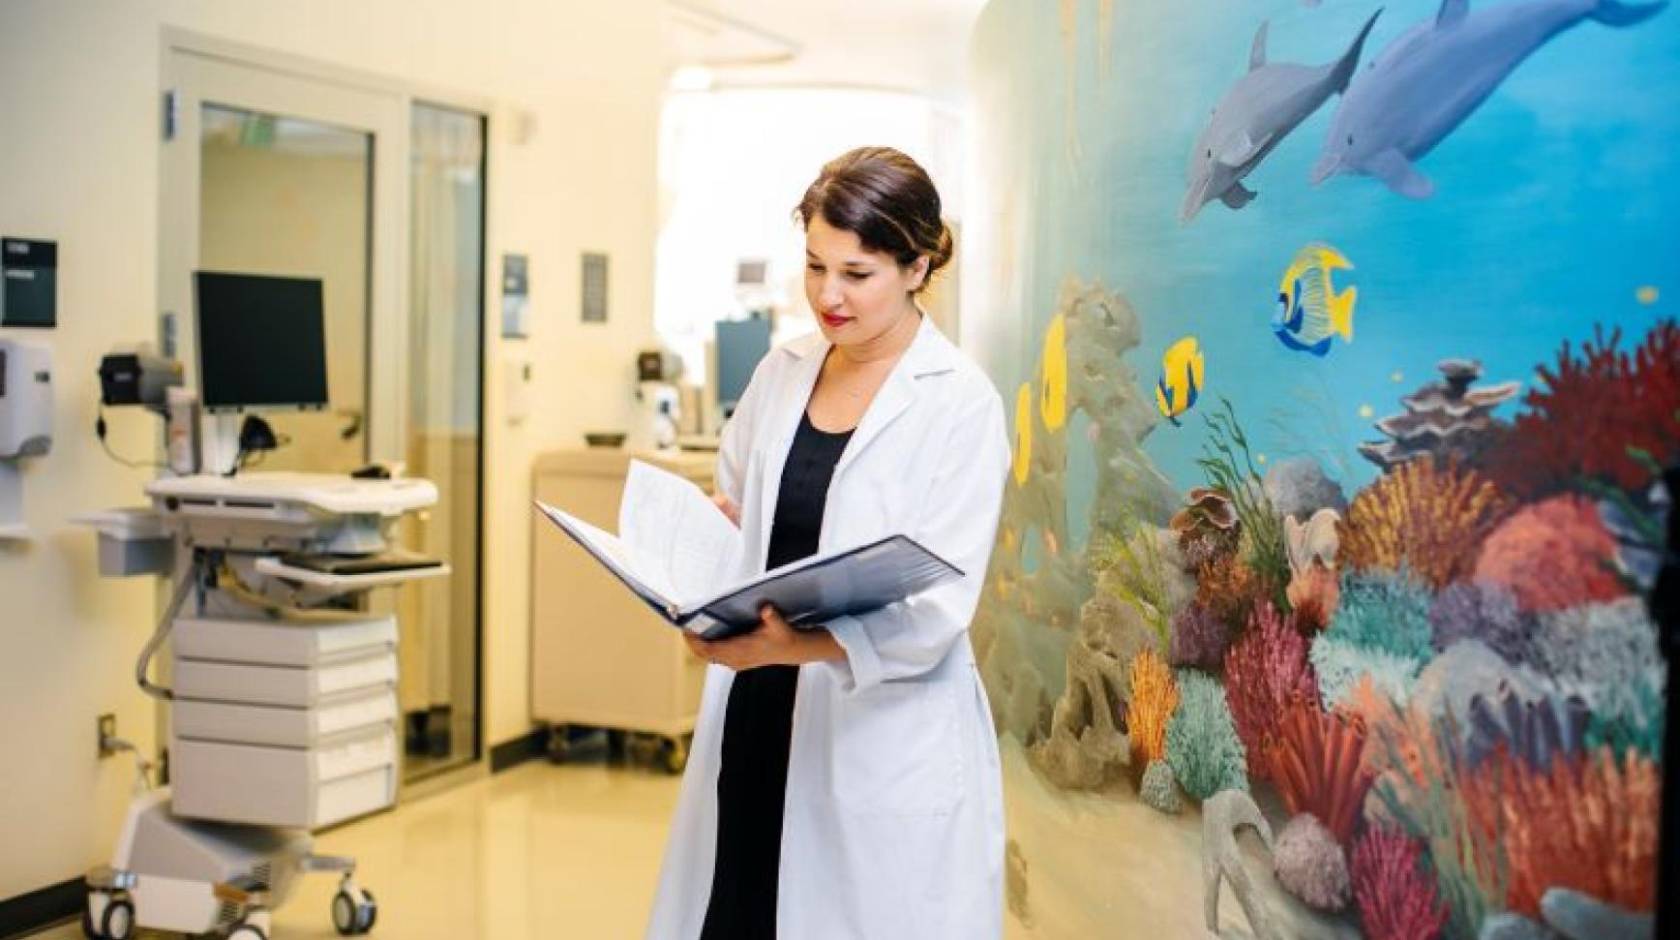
(536, 853)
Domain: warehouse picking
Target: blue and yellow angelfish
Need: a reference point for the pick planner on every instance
(1310, 313)
(1181, 379)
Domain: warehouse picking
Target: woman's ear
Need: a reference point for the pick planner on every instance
(919, 273)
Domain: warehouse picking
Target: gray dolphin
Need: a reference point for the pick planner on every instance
(1426, 82)
(1254, 116)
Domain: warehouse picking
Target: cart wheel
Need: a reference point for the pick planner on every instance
(344, 913)
(368, 913)
(673, 754)
(88, 930)
(118, 922)
(247, 932)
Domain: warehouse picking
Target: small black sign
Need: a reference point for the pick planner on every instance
(28, 283)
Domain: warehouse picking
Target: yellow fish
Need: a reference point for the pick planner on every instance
(1181, 379)
(1310, 312)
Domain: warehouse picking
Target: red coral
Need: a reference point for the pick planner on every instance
(1552, 555)
(1589, 823)
(1316, 761)
(1590, 411)
(1397, 899)
(1264, 671)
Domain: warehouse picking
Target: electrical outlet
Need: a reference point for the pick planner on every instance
(107, 731)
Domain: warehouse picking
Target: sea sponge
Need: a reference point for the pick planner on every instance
(1159, 789)
(1310, 865)
(1553, 554)
(1299, 487)
(1387, 611)
(1199, 638)
(1202, 743)
(1426, 518)
(1484, 611)
(1397, 899)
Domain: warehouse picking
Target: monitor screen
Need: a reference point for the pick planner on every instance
(261, 341)
(740, 345)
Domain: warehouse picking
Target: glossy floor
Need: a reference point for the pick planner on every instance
(536, 853)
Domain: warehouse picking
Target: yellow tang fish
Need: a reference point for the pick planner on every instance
(1181, 379)
(1310, 312)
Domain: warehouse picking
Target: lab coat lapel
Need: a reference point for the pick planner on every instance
(781, 425)
(926, 356)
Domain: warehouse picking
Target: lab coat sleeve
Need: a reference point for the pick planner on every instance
(958, 523)
(735, 443)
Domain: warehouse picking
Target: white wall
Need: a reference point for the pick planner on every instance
(79, 87)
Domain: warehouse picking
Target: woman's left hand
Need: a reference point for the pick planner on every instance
(772, 643)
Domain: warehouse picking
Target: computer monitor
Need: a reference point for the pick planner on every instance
(740, 345)
(261, 341)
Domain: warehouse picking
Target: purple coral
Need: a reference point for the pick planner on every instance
(1485, 611)
(1310, 865)
(1538, 730)
(1199, 638)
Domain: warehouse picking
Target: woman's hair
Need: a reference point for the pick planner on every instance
(887, 200)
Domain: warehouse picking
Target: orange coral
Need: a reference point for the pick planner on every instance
(1553, 554)
(1154, 699)
(1229, 588)
(1316, 760)
(1314, 594)
(1589, 823)
(1429, 519)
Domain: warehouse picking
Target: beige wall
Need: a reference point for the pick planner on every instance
(79, 93)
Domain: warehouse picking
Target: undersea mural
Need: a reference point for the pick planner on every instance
(1318, 605)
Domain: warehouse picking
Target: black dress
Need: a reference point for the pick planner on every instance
(758, 722)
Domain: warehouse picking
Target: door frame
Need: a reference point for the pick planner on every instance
(263, 79)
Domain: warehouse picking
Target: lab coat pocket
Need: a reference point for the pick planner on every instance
(896, 750)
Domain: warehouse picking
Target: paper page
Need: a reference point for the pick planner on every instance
(676, 535)
(612, 551)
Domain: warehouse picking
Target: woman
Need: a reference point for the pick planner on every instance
(844, 781)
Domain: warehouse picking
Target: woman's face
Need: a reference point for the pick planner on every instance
(856, 294)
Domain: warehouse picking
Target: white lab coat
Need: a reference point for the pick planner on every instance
(893, 822)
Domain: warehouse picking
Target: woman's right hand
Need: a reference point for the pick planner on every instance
(728, 508)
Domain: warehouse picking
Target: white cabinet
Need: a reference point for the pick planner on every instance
(599, 656)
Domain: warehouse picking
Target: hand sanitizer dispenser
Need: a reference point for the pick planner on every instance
(26, 419)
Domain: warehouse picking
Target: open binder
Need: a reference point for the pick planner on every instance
(680, 554)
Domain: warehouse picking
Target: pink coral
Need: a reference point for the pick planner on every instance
(1552, 555)
(1396, 898)
(1590, 411)
(1264, 671)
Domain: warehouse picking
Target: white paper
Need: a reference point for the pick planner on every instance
(675, 534)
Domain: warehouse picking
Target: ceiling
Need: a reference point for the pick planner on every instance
(918, 46)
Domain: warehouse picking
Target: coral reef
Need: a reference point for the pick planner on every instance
(1445, 418)
(1298, 487)
(1087, 742)
(1429, 519)
(1229, 588)
(1155, 697)
(1340, 666)
(1264, 670)
(1600, 650)
(1396, 899)
(1159, 789)
(1386, 611)
(1316, 761)
(1638, 721)
(1315, 594)
(1314, 543)
(1208, 515)
(1202, 744)
(1539, 729)
(1553, 554)
(1223, 815)
(1579, 917)
(1447, 687)
(1588, 823)
(1592, 416)
(1145, 570)
(1310, 864)
(1485, 612)
(1505, 925)
(1199, 638)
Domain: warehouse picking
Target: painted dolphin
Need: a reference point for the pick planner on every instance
(1426, 82)
(1254, 116)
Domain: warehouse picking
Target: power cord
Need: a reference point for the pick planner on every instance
(99, 429)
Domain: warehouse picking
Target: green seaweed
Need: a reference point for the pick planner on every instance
(1131, 568)
(1229, 466)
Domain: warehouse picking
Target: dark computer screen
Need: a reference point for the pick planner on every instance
(740, 345)
(261, 341)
